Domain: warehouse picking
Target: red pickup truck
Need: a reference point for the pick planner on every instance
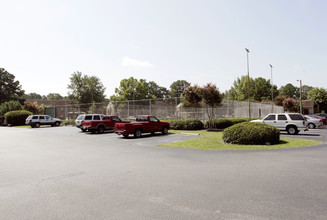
(105, 122)
(143, 124)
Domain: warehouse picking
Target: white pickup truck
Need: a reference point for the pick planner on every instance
(293, 123)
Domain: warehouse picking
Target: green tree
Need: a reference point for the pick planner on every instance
(10, 89)
(305, 90)
(157, 91)
(289, 91)
(177, 88)
(9, 106)
(32, 95)
(132, 89)
(262, 89)
(319, 95)
(54, 96)
(239, 90)
(85, 89)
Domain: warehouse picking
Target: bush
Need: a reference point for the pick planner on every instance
(186, 124)
(251, 133)
(32, 107)
(9, 106)
(68, 122)
(221, 123)
(17, 117)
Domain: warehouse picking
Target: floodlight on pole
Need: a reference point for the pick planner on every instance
(247, 56)
(299, 80)
(272, 89)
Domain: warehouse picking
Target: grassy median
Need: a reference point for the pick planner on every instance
(214, 141)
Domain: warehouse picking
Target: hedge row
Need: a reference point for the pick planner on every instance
(17, 117)
(70, 122)
(196, 124)
(186, 124)
(221, 123)
(251, 133)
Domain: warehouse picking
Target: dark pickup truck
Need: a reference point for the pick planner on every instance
(106, 122)
(143, 124)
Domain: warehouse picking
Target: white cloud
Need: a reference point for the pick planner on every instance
(126, 61)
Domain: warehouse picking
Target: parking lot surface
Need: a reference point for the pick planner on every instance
(62, 173)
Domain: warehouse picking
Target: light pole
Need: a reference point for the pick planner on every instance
(247, 58)
(272, 90)
(300, 95)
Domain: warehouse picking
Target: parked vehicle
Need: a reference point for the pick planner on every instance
(100, 123)
(293, 123)
(86, 117)
(78, 120)
(313, 122)
(324, 120)
(35, 121)
(143, 124)
(322, 115)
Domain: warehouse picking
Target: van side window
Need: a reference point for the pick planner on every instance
(282, 117)
(96, 117)
(270, 118)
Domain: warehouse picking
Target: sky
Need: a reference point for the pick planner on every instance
(44, 42)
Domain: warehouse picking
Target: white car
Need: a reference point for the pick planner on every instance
(313, 122)
(78, 120)
(35, 121)
(293, 123)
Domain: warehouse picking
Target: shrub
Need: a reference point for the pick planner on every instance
(186, 124)
(9, 106)
(17, 117)
(221, 123)
(68, 122)
(251, 133)
(32, 107)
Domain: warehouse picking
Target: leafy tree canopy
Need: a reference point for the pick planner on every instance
(133, 89)
(319, 95)
(177, 88)
(32, 95)
(85, 89)
(289, 90)
(10, 89)
(54, 96)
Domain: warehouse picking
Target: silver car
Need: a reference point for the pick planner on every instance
(313, 122)
(79, 119)
(35, 121)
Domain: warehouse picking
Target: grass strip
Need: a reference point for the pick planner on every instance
(214, 141)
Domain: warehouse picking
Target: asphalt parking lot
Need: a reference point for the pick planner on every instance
(62, 173)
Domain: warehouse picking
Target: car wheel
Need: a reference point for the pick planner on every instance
(100, 130)
(292, 130)
(83, 130)
(125, 135)
(138, 133)
(57, 123)
(32, 126)
(311, 126)
(165, 130)
(37, 125)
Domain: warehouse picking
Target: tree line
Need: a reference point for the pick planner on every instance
(90, 89)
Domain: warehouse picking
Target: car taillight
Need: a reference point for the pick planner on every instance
(303, 122)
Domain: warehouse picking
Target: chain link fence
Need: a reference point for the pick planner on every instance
(170, 108)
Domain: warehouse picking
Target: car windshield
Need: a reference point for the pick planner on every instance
(80, 117)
